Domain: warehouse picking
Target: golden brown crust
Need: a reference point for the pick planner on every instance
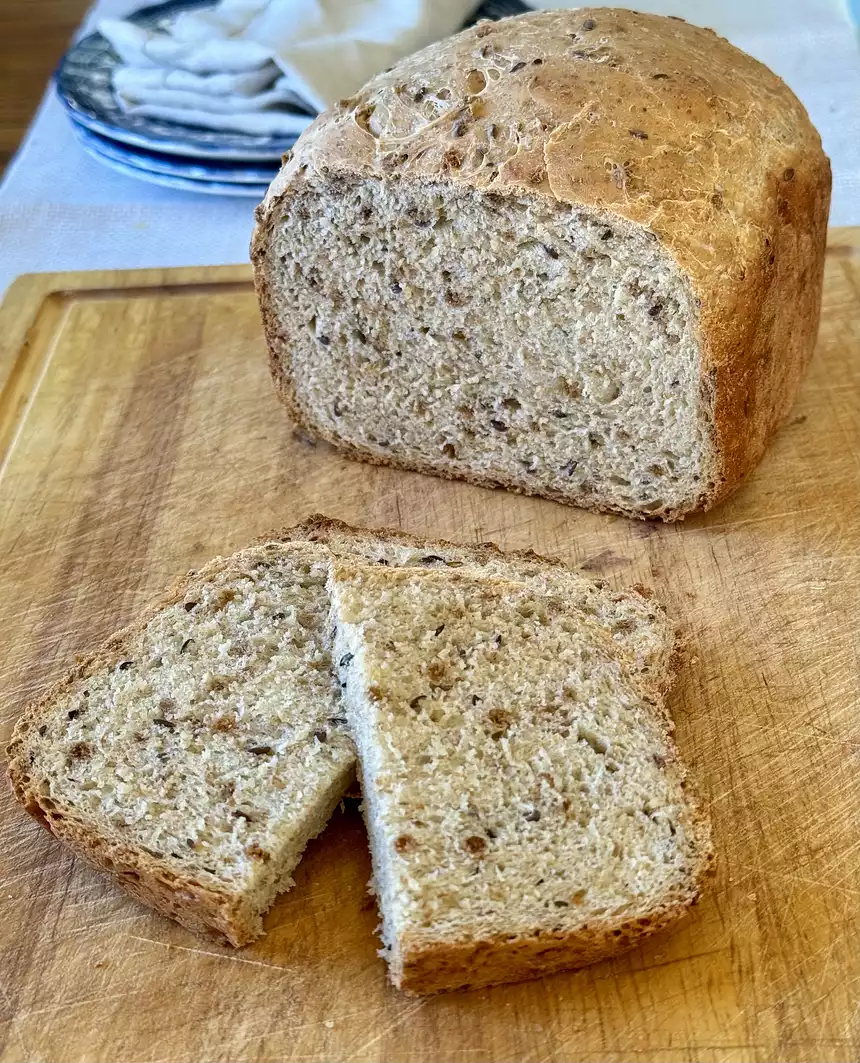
(437, 967)
(655, 123)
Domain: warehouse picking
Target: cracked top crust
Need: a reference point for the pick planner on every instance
(664, 123)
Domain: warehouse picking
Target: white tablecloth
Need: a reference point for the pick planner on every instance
(60, 209)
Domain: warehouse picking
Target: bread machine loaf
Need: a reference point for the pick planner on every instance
(576, 254)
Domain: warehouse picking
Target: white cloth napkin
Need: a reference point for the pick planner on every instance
(266, 66)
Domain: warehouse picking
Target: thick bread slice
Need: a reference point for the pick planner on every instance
(576, 254)
(195, 754)
(633, 617)
(526, 808)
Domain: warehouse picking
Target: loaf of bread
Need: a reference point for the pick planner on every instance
(575, 253)
(195, 754)
(525, 805)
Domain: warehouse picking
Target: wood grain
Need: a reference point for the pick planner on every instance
(33, 36)
(140, 436)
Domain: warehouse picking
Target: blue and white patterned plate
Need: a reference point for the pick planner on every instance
(84, 87)
(171, 180)
(234, 173)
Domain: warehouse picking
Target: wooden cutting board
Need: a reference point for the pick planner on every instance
(140, 435)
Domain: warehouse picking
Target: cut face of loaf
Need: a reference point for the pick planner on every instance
(525, 806)
(576, 254)
(503, 339)
(196, 754)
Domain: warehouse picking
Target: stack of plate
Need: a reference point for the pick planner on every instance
(167, 153)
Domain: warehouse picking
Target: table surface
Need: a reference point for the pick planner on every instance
(141, 436)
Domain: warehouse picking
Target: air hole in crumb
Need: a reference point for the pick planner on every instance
(591, 738)
(363, 117)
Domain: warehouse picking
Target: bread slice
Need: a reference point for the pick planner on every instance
(633, 617)
(526, 808)
(198, 751)
(576, 254)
